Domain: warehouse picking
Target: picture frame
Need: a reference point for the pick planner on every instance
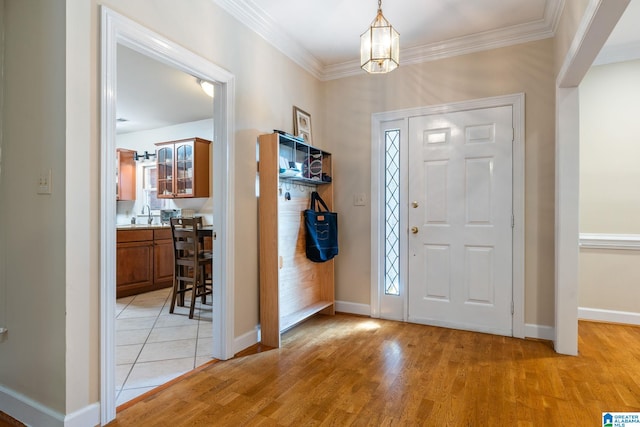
(302, 125)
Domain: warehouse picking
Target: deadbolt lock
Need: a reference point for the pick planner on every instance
(414, 230)
(414, 204)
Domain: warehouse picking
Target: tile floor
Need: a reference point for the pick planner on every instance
(153, 346)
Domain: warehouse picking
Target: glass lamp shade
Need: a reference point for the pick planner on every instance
(380, 47)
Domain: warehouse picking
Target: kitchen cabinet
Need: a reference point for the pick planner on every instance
(292, 288)
(125, 174)
(162, 257)
(183, 168)
(144, 260)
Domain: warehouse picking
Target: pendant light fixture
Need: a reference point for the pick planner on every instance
(380, 46)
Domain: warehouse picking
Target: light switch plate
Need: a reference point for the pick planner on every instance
(359, 199)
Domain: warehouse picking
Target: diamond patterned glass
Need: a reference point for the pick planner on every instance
(392, 212)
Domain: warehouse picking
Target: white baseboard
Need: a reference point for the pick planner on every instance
(32, 413)
(247, 340)
(27, 410)
(541, 332)
(353, 308)
(612, 316)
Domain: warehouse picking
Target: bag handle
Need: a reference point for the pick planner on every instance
(315, 196)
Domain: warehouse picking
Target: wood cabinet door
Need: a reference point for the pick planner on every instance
(163, 263)
(164, 165)
(134, 268)
(125, 174)
(184, 169)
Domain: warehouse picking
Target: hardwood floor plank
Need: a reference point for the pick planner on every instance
(346, 370)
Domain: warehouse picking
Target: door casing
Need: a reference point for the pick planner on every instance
(396, 307)
(117, 29)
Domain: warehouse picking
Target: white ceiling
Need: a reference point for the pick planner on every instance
(323, 37)
(151, 94)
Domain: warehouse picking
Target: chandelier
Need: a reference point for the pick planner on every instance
(379, 46)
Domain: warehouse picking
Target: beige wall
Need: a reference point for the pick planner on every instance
(609, 184)
(570, 19)
(33, 352)
(350, 102)
(53, 309)
(3, 286)
(610, 149)
(59, 327)
(609, 280)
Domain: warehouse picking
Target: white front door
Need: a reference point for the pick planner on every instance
(460, 220)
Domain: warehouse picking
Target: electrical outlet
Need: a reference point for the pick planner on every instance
(359, 199)
(44, 182)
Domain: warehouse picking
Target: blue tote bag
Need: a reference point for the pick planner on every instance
(321, 230)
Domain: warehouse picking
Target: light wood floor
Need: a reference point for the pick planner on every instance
(347, 370)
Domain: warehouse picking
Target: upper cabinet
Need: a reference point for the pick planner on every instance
(183, 168)
(125, 174)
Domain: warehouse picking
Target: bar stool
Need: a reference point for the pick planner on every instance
(190, 262)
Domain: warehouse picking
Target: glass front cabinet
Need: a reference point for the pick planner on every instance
(183, 168)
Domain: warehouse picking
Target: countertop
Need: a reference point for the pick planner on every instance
(152, 226)
(141, 226)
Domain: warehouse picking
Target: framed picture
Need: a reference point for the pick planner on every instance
(302, 125)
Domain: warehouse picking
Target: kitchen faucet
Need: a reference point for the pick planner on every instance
(150, 220)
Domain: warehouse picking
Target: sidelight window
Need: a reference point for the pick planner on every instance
(392, 212)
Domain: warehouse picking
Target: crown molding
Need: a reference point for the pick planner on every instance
(248, 13)
(257, 20)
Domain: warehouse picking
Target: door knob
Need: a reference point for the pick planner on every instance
(414, 230)
(414, 204)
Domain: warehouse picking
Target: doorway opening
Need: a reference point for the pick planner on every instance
(120, 31)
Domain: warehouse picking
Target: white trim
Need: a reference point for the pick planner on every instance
(599, 19)
(517, 102)
(518, 201)
(540, 332)
(566, 222)
(612, 316)
(30, 412)
(353, 308)
(27, 410)
(87, 416)
(610, 241)
(117, 29)
(387, 306)
(594, 28)
(256, 19)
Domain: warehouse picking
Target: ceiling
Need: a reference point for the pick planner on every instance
(323, 37)
(151, 94)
